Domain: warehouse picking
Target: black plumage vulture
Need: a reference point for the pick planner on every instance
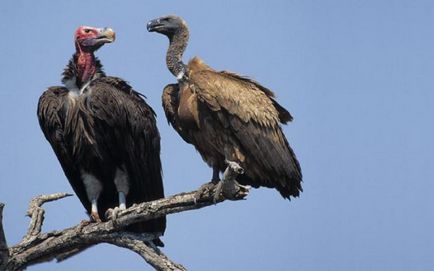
(104, 134)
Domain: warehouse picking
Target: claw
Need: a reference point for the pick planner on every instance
(112, 214)
(95, 217)
(233, 190)
(109, 213)
(243, 191)
(83, 224)
(229, 187)
(218, 191)
(203, 190)
(158, 243)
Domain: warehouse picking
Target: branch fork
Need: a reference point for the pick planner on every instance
(37, 247)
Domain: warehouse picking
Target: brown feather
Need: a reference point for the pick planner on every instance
(237, 119)
(227, 116)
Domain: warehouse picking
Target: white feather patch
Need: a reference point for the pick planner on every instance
(180, 75)
(84, 87)
(70, 84)
(92, 185)
(121, 181)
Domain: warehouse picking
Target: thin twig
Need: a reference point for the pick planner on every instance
(36, 213)
(146, 250)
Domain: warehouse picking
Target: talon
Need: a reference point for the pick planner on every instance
(112, 214)
(158, 243)
(218, 191)
(243, 191)
(244, 187)
(95, 217)
(152, 245)
(83, 224)
(233, 190)
(109, 213)
(206, 188)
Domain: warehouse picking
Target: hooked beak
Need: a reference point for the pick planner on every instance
(153, 25)
(106, 35)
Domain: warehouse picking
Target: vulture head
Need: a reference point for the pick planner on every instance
(90, 39)
(167, 25)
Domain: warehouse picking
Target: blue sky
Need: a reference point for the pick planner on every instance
(356, 75)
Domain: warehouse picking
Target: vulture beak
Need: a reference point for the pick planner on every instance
(153, 25)
(106, 35)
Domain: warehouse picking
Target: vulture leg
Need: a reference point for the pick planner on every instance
(122, 186)
(94, 213)
(208, 187)
(229, 187)
(93, 189)
(122, 201)
(215, 175)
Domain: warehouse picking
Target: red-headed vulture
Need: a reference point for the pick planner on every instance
(104, 134)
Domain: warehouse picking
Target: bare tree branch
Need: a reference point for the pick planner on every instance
(38, 247)
(36, 213)
(146, 250)
(4, 251)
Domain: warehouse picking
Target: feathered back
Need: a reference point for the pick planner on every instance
(239, 95)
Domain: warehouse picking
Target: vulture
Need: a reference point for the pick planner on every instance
(104, 135)
(227, 117)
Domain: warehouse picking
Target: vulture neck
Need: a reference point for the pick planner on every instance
(86, 66)
(178, 43)
(81, 69)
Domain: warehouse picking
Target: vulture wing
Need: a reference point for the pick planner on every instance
(251, 117)
(170, 105)
(52, 109)
(126, 124)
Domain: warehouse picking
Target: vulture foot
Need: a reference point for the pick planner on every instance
(229, 188)
(205, 190)
(83, 224)
(95, 217)
(157, 243)
(112, 214)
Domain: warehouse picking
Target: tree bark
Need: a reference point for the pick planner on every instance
(4, 251)
(37, 247)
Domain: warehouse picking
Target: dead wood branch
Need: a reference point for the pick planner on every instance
(37, 246)
(4, 252)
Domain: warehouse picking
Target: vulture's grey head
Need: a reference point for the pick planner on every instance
(167, 25)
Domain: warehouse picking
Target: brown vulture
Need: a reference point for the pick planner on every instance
(104, 134)
(227, 117)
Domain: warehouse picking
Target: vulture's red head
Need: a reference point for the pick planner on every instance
(90, 39)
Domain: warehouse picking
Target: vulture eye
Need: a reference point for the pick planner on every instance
(87, 31)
